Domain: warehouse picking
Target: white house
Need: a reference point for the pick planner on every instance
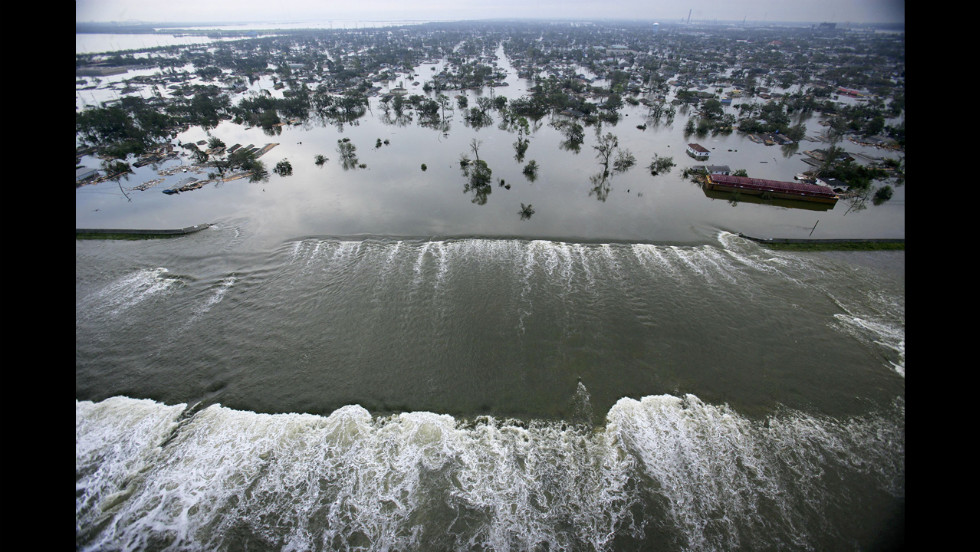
(697, 151)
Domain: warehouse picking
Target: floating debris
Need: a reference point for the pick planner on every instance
(147, 185)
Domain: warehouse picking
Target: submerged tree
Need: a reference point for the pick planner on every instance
(520, 146)
(531, 170)
(882, 195)
(600, 185)
(624, 161)
(607, 144)
(283, 168)
(526, 211)
(478, 175)
(574, 135)
(348, 153)
(258, 172)
(319, 160)
(660, 164)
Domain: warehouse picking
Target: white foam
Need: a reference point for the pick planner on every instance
(582, 253)
(129, 291)
(705, 459)
(418, 263)
(687, 257)
(647, 253)
(318, 479)
(116, 441)
(883, 334)
(345, 252)
(311, 482)
(443, 264)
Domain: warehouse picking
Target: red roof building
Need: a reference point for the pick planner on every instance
(697, 151)
(771, 188)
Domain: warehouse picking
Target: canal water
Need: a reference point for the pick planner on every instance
(483, 393)
(368, 359)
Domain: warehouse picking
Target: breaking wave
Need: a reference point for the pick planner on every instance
(665, 471)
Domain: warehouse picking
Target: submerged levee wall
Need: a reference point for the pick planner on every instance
(825, 241)
(135, 233)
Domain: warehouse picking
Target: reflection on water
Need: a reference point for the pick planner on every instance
(390, 196)
(735, 198)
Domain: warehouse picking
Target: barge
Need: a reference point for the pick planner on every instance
(771, 189)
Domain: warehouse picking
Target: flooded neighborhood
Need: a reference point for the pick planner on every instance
(490, 284)
(816, 105)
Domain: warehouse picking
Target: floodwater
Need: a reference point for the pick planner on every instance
(368, 359)
(394, 196)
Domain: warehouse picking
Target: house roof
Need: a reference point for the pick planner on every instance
(711, 169)
(84, 172)
(698, 148)
(772, 185)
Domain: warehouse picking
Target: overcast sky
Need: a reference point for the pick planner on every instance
(158, 11)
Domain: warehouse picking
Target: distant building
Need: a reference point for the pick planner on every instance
(619, 50)
(697, 151)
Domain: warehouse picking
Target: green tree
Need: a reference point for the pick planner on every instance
(711, 109)
(624, 161)
(605, 147)
(526, 211)
(531, 170)
(479, 178)
(520, 148)
(283, 168)
(660, 164)
(258, 172)
(882, 195)
(215, 143)
(348, 153)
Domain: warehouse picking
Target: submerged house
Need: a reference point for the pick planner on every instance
(697, 151)
(716, 169)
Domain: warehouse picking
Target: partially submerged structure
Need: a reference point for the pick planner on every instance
(771, 189)
(697, 151)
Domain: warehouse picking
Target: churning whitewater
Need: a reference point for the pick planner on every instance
(153, 476)
(486, 394)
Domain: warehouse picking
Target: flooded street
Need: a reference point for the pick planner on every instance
(393, 196)
(380, 355)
